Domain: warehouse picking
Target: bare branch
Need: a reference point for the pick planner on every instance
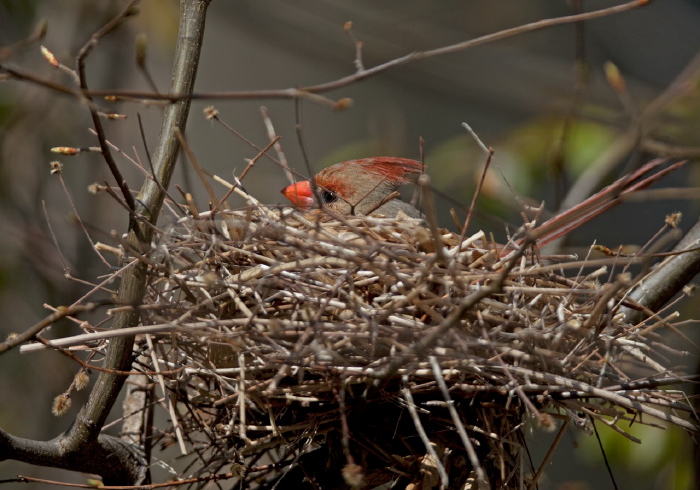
(668, 278)
(311, 92)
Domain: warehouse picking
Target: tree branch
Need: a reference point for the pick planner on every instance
(312, 91)
(657, 288)
(105, 456)
(82, 447)
(96, 121)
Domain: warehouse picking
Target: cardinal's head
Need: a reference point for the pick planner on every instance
(359, 187)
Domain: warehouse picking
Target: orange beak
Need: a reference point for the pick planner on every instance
(300, 194)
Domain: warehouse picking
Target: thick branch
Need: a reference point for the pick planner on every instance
(83, 447)
(669, 278)
(114, 459)
(149, 202)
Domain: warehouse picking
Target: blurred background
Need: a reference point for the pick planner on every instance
(540, 99)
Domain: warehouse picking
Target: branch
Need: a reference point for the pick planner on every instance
(149, 202)
(657, 288)
(82, 447)
(116, 460)
(61, 312)
(637, 134)
(311, 92)
(96, 121)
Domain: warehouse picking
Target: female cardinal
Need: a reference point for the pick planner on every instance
(360, 187)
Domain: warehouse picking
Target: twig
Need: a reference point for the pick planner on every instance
(421, 432)
(272, 135)
(310, 92)
(39, 32)
(80, 221)
(193, 160)
(251, 164)
(473, 458)
(482, 177)
(132, 289)
(32, 331)
(550, 454)
(166, 396)
(359, 65)
(97, 122)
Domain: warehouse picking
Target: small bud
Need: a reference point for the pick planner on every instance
(615, 78)
(546, 421)
(210, 112)
(94, 188)
(111, 98)
(56, 167)
(65, 150)
(673, 219)
(347, 26)
(603, 249)
(342, 104)
(115, 116)
(353, 475)
(689, 289)
(81, 380)
(49, 56)
(61, 404)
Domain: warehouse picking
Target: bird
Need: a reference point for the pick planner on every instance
(363, 187)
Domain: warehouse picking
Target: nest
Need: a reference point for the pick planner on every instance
(356, 352)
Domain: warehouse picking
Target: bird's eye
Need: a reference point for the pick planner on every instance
(328, 196)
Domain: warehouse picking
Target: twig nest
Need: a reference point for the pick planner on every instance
(308, 332)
